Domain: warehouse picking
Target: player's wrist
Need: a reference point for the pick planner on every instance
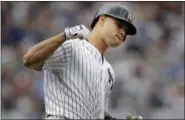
(64, 35)
(60, 38)
(67, 33)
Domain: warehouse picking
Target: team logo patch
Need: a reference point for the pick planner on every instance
(129, 17)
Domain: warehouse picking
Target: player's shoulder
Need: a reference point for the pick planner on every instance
(109, 66)
(72, 43)
(107, 63)
(76, 41)
(110, 70)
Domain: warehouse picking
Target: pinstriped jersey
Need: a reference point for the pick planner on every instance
(77, 81)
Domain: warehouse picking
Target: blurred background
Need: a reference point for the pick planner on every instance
(149, 67)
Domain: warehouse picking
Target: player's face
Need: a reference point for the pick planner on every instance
(114, 33)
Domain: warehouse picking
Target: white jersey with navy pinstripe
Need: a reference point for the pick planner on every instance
(77, 81)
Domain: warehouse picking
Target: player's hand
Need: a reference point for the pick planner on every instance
(79, 31)
(132, 117)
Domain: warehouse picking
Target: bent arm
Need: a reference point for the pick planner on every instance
(37, 54)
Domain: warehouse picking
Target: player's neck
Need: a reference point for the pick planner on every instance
(97, 41)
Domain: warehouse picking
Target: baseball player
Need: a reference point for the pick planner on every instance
(77, 77)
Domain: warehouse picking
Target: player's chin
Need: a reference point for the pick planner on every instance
(119, 40)
(116, 44)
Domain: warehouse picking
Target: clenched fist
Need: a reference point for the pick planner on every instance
(79, 31)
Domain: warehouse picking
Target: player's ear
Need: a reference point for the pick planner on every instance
(101, 20)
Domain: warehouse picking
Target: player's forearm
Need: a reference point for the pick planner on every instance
(41, 51)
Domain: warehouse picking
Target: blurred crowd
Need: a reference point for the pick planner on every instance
(149, 67)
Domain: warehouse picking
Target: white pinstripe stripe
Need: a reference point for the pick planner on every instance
(74, 82)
